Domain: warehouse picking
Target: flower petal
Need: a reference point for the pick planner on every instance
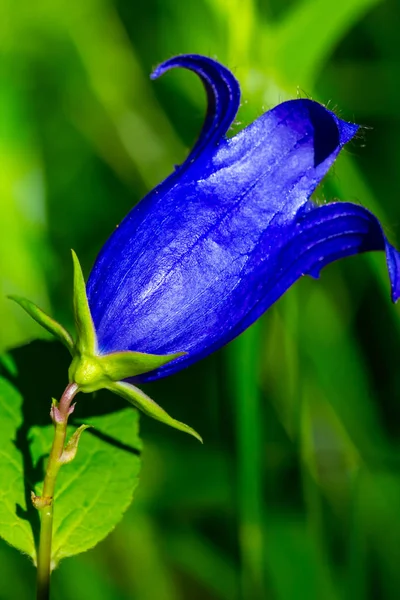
(316, 238)
(285, 153)
(163, 282)
(223, 94)
(341, 229)
(214, 245)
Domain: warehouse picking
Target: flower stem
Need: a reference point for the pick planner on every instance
(44, 503)
(244, 360)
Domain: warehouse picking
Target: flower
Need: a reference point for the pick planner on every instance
(211, 248)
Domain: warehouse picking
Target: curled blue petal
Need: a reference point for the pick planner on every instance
(316, 238)
(210, 249)
(223, 96)
(338, 230)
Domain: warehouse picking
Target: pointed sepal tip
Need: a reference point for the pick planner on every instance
(47, 322)
(140, 400)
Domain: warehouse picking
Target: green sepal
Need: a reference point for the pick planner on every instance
(95, 372)
(45, 321)
(121, 365)
(140, 400)
(86, 342)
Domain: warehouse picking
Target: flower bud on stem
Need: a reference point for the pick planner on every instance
(44, 503)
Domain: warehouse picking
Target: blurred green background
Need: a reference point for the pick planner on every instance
(296, 492)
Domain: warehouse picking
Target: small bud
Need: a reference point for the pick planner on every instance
(71, 448)
(55, 414)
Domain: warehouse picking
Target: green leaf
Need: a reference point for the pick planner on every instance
(8, 364)
(92, 492)
(139, 399)
(95, 490)
(121, 365)
(45, 321)
(15, 505)
(86, 342)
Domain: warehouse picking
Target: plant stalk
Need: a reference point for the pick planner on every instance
(44, 503)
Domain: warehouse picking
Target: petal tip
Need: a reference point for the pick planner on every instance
(186, 61)
(346, 131)
(395, 294)
(331, 133)
(223, 94)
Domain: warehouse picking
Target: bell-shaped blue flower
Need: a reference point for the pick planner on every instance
(210, 249)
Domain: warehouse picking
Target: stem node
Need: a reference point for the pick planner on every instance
(41, 501)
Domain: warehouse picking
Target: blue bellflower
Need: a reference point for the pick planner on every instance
(211, 248)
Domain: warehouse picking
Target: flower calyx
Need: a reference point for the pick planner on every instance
(92, 371)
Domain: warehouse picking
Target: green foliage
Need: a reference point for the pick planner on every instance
(92, 492)
(14, 529)
(95, 490)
